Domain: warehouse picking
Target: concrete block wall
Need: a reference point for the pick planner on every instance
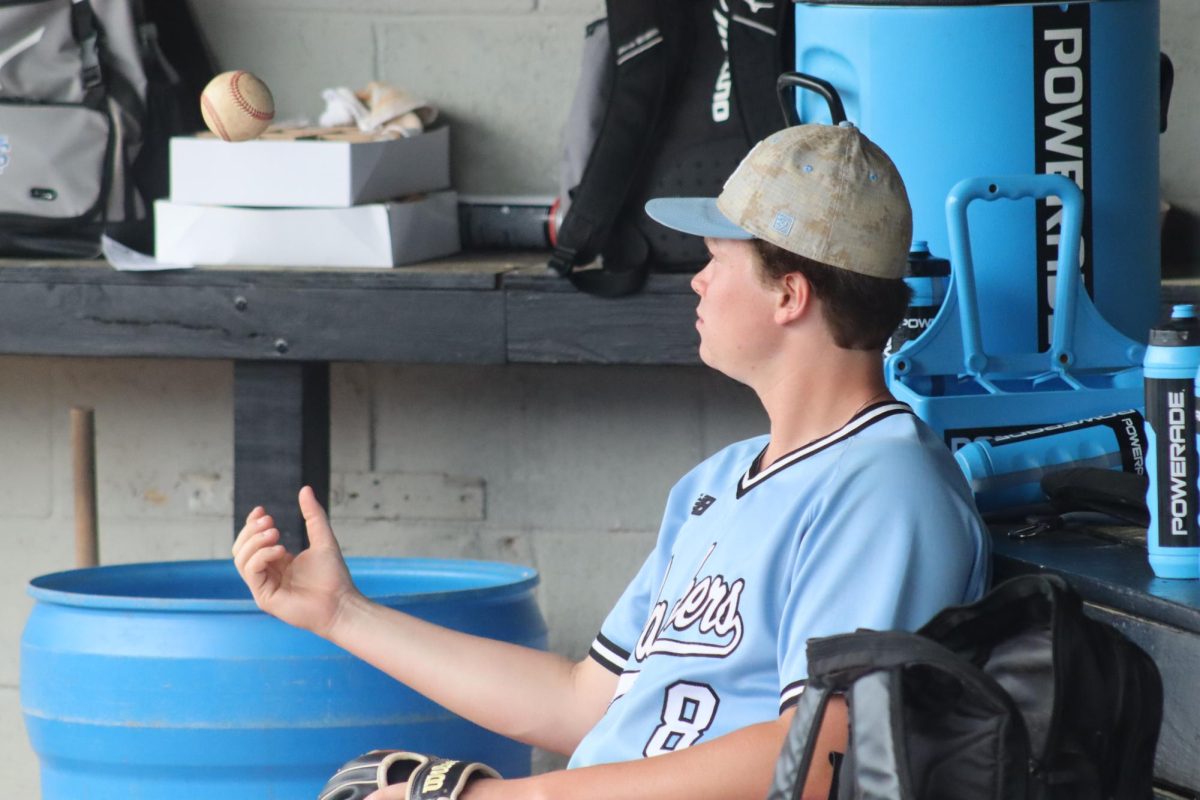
(563, 468)
(502, 71)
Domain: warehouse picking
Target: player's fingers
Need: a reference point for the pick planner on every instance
(258, 521)
(252, 531)
(315, 520)
(252, 546)
(397, 791)
(258, 567)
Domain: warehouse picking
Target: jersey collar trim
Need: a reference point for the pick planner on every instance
(863, 419)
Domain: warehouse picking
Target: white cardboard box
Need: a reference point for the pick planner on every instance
(376, 235)
(307, 173)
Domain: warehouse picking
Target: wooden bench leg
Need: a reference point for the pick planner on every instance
(280, 441)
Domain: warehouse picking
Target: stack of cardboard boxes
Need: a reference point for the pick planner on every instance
(309, 199)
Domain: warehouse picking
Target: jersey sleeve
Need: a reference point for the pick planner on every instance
(622, 627)
(891, 543)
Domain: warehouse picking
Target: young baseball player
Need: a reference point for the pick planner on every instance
(849, 513)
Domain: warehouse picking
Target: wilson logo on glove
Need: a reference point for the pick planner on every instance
(437, 776)
(428, 777)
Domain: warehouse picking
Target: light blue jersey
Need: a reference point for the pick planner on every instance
(872, 526)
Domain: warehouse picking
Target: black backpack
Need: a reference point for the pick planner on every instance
(1019, 695)
(672, 94)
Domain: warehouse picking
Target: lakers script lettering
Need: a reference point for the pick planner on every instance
(706, 618)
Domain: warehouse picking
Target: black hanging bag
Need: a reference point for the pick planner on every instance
(672, 94)
(1019, 695)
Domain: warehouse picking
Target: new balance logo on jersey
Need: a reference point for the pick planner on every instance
(702, 503)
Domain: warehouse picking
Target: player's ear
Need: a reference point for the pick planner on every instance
(794, 297)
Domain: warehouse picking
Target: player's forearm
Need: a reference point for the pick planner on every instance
(520, 692)
(739, 764)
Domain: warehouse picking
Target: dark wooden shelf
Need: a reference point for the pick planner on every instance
(478, 309)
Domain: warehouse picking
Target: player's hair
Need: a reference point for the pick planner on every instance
(861, 311)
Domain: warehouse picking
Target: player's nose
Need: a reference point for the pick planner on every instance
(700, 280)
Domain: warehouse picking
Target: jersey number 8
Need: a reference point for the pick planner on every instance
(688, 711)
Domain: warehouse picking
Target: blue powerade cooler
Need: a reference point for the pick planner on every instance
(953, 89)
(966, 390)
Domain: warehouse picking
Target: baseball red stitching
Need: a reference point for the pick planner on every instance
(214, 117)
(241, 101)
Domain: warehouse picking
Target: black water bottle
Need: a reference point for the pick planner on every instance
(928, 277)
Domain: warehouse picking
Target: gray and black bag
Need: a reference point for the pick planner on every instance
(76, 77)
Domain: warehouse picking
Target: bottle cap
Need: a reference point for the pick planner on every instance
(974, 461)
(1181, 330)
(923, 264)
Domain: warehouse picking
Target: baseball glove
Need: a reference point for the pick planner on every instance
(428, 777)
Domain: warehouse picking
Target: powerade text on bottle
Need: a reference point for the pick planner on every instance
(1171, 363)
(1007, 471)
(927, 276)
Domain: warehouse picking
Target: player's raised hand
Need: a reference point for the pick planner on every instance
(305, 590)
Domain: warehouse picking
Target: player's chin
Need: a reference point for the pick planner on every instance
(707, 356)
(728, 368)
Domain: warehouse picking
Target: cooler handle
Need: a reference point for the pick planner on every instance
(1166, 82)
(1017, 187)
(798, 80)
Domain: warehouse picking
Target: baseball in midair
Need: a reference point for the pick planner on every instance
(237, 106)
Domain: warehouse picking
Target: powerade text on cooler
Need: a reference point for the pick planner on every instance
(1007, 471)
(1171, 363)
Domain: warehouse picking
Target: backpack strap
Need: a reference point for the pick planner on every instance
(626, 266)
(116, 89)
(791, 768)
(85, 29)
(760, 45)
(647, 54)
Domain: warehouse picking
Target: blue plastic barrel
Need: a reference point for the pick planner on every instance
(954, 89)
(165, 681)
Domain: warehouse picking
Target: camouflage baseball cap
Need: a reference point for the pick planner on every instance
(821, 191)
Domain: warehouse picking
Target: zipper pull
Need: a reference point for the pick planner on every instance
(1037, 525)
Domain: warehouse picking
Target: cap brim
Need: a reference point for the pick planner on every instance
(696, 215)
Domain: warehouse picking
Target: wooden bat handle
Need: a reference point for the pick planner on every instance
(83, 453)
